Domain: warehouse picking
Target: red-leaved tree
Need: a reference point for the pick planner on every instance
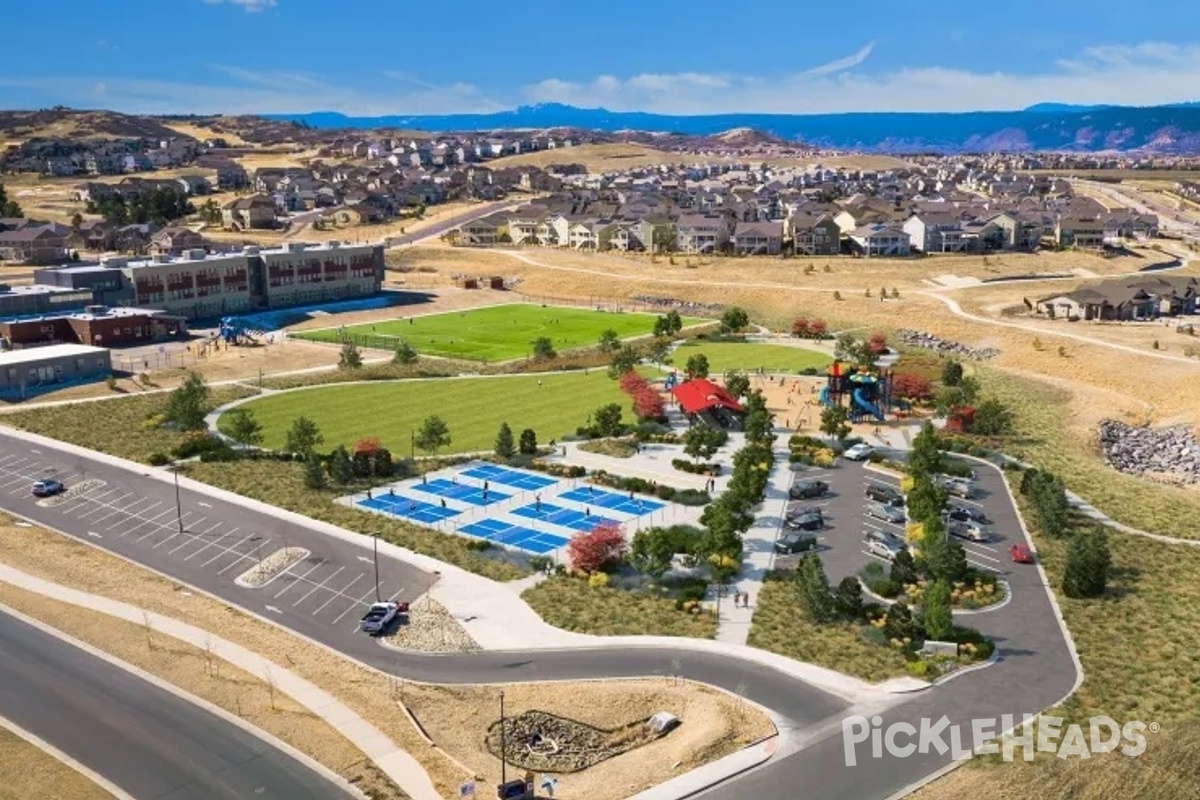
(598, 549)
(911, 387)
(630, 383)
(800, 327)
(648, 404)
(368, 446)
(817, 329)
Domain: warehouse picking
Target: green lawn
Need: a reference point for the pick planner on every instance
(749, 356)
(500, 333)
(472, 407)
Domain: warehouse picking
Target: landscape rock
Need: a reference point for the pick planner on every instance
(431, 629)
(540, 741)
(1171, 454)
(271, 567)
(928, 341)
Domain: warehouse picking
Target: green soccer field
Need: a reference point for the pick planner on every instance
(499, 333)
(552, 404)
(749, 356)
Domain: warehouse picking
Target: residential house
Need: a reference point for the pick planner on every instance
(1073, 230)
(935, 232)
(758, 238)
(249, 213)
(816, 236)
(653, 234)
(880, 239)
(174, 240)
(96, 235)
(482, 232)
(135, 239)
(702, 234)
(34, 244)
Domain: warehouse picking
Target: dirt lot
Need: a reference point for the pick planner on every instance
(211, 679)
(28, 772)
(715, 728)
(623, 156)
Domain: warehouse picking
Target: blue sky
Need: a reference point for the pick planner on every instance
(668, 56)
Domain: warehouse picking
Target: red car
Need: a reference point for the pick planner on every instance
(1021, 554)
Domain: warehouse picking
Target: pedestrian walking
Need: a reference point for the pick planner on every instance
(485, 486)
(424, 479)
(443, 502)
(587, 511)
(485, 496)
(411, 506)
(391, 492)
(737, 597)
(368, 494)
(745, 599)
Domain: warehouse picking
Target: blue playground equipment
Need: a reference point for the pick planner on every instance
(869, 394)
(671, 381)
(235, 332)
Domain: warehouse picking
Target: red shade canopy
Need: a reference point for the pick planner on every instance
(699, 395)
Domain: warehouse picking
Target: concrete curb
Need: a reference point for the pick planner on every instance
(215, 710)
(399, 766)
(954, 611)
(712, 774)
(104, 783)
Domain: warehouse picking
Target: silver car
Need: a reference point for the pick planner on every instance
(967, 530)
(885, 512)
(886, 550)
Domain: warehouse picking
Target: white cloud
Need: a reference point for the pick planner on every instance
(253, 92)
(1142, 74)
(251, 6)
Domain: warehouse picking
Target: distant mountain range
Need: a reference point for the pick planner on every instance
(1173, 129)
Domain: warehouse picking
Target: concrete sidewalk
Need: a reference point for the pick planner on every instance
(398, 765)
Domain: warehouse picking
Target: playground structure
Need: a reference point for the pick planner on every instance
(869, 392)
(234, 331)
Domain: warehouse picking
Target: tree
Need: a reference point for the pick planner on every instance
(925, 500)
(505, 447)
(925, 458)
(674, 322)
(543, 348)
(936, 614)
(340, 465)
(952, 373)
(904, 569)
(244, 428)
(853, 351)
(911, 387)
(314, 474)
(899, 623)
(609, 341)
(848, 600)
(647, 403)
(597, 550)
(702, 442)
(9, 208)
(835, 422)
(992, 418)
(949, 397)
(734, 319)
(303, 437)
(404, 354)
(608, 419)
(350, 358)
(434, 434)
(76, 220)
(697, 366)
(877, 343)
(814, 590)
(210, 212)
(737, 383)
(624, 359)
(1088, 563)
(662, 328)
(185, 406)
(658, 350)
(653, 549)
(527, 445)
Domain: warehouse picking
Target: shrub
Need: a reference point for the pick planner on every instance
(692, 497)
(598, 580)
(159, 459)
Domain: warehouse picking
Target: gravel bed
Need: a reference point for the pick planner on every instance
(430, 629)
(271, 567)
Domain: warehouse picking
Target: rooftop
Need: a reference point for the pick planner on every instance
(30, 355)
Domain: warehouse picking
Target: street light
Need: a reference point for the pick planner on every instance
(375, 554)
(503, 752)
(178, 505)
(412, 448)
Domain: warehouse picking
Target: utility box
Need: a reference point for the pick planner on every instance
(518, 789)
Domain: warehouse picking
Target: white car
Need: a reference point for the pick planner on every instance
(378, 617)
(886, 550)
(859, 452)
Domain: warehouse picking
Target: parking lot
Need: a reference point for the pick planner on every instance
(217, 550)
(848, 521)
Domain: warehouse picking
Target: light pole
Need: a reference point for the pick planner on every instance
(503, 752)
(178, 505)
(412, 447)
(375, 558)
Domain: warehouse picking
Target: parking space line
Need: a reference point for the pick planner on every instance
(340, 593)
(320, 585)
(127, 514)
(93, 504)
(178, 533)
(169, 512)
(193, 537)
(254, 555)
(358, 604)
(298, 578)
(224, 550)
(981, 555)
(182, 518)
(983, 566)
(235, 549)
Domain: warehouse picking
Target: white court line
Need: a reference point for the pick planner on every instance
(340, 593)
(177, 533)
(210, 544)
(297, 578)
(318, 586)
(192, 538)
(227, 550)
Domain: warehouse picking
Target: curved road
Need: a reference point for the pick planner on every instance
(220, 540)
(147, 741)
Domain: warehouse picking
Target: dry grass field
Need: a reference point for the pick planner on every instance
(617, 156)
(720, 724)
(28, 772)
(202, 132)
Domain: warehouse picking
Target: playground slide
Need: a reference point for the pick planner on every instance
(862, 403)
(824, 397)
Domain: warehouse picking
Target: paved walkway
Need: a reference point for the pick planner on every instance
(399, 766)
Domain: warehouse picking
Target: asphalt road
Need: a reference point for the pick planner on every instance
(438, 228)
(145, 740)
(1036, 669)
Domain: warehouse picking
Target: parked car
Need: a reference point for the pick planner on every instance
(885, 512)
(380, 615)
(1021, 554)
(795, 542)
(887, 537)
(966, 514)
(884, 494)
(955, 487)
(48, 488)
(805, 519)
(859, 452)
(967, 530)
(806, 489)
(888, 550)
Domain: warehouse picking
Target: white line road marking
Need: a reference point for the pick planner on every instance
(364, 558)
(152, 521)
(193, 538)
(181, 522)
(357, 604)
(397, 594)
(35, 452)
(983, 566)
(177, 533)
(981, 555)
(210, 544)
(94, 535)
(204, 504)
(227, 550)
(126, 513)
(298, 578)
(254, 555)
(320, 585)
(340, 593)
(273, 609)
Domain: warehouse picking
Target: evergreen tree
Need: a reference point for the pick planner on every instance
(952, 373)
(185, 406)
(814, 588)
(848, 602)
(925, 457)
(899, 623)
(303, 437)
(341, 468)
(527, 445)
(505, 448)
(904, 569)
(244, 429)
(1088, 563)
(434, 434)
(314, 474)
(405, 354)
(936, 615)
(350, 358)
